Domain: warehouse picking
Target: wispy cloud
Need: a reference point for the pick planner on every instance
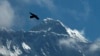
(74, 37)
(95, 46)
(68, 42)
(87, 9)
(49, 4)
(6, 14)
(83, 14)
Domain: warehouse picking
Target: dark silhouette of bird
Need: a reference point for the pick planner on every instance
(34, 16)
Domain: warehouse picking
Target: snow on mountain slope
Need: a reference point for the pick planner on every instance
(77, 35)
(25, 46)
(49, 38)
(6, 51)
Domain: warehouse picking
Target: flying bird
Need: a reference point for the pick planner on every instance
(34, 16)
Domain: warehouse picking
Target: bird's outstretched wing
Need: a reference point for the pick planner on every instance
(34, 16)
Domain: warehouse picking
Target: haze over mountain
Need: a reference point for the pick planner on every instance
(49, 38)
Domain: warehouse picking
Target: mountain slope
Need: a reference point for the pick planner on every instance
(49, 38)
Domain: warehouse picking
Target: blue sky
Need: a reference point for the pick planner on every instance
(76, 14)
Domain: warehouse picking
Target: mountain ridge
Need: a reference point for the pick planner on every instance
(44, 40)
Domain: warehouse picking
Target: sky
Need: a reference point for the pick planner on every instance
(76, 14)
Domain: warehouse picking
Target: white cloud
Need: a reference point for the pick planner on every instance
(95, 46)
(6, 14)
(68, 42)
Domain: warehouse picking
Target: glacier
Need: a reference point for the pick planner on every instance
(49, 38)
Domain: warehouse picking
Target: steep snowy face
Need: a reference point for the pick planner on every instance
(75, 34)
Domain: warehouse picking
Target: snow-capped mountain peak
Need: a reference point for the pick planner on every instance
(49, 38)
(58, 27)
(50, 25)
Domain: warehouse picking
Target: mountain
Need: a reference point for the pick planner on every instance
(49, 38)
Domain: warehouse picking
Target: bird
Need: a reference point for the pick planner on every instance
(34, 16)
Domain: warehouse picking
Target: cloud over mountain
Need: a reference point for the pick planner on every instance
(6, 14)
